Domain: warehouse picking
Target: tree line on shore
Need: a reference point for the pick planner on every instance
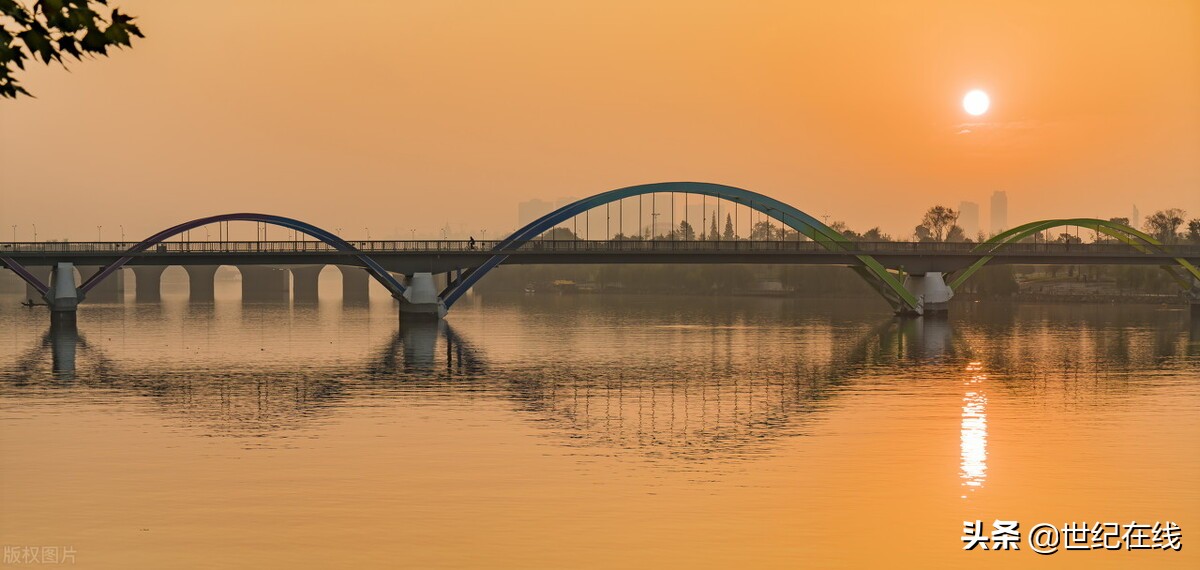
(937, 224)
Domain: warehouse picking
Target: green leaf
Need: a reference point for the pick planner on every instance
(94, 41)
(37, 40)
(116, 34)
(57, 17)
(81, 17)
(52, 28)
(16, 55)
(69, 45)
(16, 11)
(10, 89)
(120, 29)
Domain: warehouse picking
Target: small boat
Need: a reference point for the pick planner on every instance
(31, 303)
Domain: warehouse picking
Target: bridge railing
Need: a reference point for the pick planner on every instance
(593, 246)
(245, 246)
(866, 248)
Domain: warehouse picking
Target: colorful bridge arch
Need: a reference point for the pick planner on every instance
(377, 271)
(1138, 240)
(871, 270)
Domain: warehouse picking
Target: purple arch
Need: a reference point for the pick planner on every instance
(377, 271)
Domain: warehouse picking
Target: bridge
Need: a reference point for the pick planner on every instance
(915, 278)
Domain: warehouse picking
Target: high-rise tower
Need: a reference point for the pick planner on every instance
(999, 212)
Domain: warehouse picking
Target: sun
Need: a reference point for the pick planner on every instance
(976, 102)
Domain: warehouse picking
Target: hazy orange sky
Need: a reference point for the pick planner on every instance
(399, 115)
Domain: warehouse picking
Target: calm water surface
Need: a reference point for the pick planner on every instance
(586, 431)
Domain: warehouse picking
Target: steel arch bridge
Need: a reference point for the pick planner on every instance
(378, 272)
(882, 280)
(1138, 240)
(872, 271)
(876, 274)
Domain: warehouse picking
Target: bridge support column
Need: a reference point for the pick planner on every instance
(931, 290)
(148, 283)
(420, 299)
(63, 296)
(110, 290)
(356, 285)
(264, 284)
(201, 282)
(305, 280)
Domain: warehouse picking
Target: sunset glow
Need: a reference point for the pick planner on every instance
(576, 285)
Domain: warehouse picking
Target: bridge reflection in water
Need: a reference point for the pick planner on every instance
(632, 408)
(719, 412)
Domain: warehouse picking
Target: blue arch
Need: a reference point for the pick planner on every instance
(870, 269)
(372, 267)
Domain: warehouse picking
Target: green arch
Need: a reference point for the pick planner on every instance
(1139, 240)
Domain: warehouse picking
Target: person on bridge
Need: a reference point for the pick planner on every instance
(471, 242)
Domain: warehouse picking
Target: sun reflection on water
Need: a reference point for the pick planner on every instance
(973, 433)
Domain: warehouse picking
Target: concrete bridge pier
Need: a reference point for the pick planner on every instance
(201, 282)
(262, 284)
(148, 283)
(931, 291)
(63, 296)
(110, 290)
(421, 299)
(305, 280)
(356, 285)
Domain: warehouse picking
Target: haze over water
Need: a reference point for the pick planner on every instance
(592, 431)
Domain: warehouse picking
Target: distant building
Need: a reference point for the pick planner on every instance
(999, 211)
(531, 210)
(1135, 220)
(968, 218)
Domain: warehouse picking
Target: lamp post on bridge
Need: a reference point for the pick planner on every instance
(34, 232)
(413, 231)
(98, 233)
(122, 233)
(14, 226)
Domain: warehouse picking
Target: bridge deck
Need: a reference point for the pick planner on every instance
(446, 255)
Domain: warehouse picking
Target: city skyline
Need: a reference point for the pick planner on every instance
(700, 217)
